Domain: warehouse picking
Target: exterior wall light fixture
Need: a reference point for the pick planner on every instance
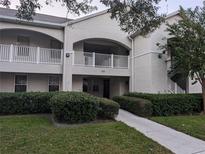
(67, 55)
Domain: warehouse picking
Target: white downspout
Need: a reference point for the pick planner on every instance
(132, 65)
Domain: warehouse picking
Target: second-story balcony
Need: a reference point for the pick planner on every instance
(98, 64)
(100, 60)
(27, 59)
(27, 54)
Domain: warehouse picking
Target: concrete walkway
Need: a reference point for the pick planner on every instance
(173, 140)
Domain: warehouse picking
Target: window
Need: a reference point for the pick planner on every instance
(20, 83)
(53, 83)
(23, 49)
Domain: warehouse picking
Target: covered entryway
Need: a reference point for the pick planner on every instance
(101, 86)
(97, 86)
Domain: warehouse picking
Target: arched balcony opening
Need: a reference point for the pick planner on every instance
(98, 52)
(27, 46)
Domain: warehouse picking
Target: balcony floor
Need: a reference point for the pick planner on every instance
(100, 71)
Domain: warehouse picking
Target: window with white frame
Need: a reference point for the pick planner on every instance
(20, 83)
(53, 83)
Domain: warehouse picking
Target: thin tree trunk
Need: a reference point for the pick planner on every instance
(203, 94)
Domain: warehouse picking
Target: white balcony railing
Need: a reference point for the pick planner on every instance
(4, 52)
(100, 60)
(27, 54)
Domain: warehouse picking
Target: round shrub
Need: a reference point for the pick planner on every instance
(107, 108)
(74, 107)
(138, 106)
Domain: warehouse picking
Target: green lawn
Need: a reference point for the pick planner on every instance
(36, 134)
(192, 125)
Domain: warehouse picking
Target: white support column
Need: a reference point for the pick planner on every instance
(11, 53)
(112, 61)
(131, 67)
(128, 65)
(93, 59)
(62, 56)
(73, 58)
(38, 55)
(67, 61)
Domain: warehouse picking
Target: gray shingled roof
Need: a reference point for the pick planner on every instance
(37, 17)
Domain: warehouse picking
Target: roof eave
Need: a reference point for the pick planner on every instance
(33, 22)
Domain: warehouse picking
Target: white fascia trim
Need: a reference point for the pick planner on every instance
(7, 18)
(87, 17)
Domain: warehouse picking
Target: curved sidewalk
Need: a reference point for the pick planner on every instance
(173, 140)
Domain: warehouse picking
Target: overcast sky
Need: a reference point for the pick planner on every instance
(166, 7)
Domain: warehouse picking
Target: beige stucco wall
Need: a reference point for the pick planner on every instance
(159, 76)
(35, 82)
(142, 74)
(77, 84)
(99, 71)
(30, 68)
(7, 82)
(119, 86)
(101, 26)
(150, 72)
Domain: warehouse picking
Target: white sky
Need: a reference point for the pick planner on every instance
(57, 10)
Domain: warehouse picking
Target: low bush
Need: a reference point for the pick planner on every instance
(108, 109)
(24, 103)
(138, 106)
(172, 104)
(71, 107)
(74, 107)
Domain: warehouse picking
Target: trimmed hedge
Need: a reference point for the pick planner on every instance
(74, 107)
(74, 102)
(172, 104)
(24, 103)
(138, 106)
(108, 109)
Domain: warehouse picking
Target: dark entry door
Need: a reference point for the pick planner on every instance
(106, 88)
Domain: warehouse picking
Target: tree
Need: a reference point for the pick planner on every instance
(187, 45)
(133, 15)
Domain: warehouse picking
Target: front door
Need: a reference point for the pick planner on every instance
(106, 88)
